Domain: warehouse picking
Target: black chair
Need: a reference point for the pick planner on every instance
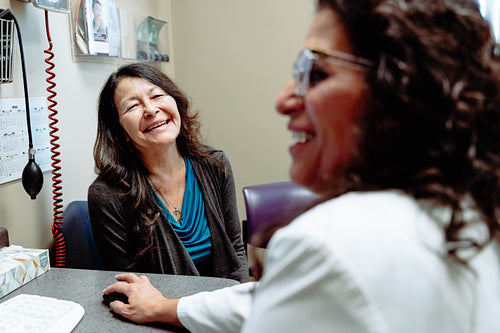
(270, 204)
(81, 251)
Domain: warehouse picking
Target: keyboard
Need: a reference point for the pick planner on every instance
(31, 313)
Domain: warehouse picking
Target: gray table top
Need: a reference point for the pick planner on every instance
(85, 287)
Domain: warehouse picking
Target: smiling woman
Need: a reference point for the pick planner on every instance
(162, 202)
(148, 115)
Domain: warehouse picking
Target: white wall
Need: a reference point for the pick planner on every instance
(232, 57)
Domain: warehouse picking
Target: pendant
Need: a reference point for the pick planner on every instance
(177, 211)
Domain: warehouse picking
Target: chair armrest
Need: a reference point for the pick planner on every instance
(4, 237)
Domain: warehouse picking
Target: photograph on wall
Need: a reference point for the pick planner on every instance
(97, 28)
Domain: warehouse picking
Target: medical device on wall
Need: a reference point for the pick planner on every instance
(32, 177)
(6, 49)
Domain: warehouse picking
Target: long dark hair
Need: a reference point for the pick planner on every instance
(116, 159)
(433, 125)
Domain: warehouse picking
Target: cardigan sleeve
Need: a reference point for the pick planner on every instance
(218, 188)
(109, 227)
(232, 220)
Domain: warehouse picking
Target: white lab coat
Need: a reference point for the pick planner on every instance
(363, 262)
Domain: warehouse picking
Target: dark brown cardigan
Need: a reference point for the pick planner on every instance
(117, 244)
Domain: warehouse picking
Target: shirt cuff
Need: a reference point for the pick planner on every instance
(219, 311)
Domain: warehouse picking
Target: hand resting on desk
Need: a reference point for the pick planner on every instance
(145, 303)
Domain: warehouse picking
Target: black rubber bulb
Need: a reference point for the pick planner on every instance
(32, 177)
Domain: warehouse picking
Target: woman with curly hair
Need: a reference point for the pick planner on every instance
(162, 202)
(395, 105)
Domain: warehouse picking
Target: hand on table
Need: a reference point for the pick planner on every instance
(145, 302)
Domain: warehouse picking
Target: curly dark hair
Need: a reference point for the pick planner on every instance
(116, 158)
(435, 104)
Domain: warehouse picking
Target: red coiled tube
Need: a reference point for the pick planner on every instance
(60, 244)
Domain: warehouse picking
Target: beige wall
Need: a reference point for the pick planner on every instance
(231, 57)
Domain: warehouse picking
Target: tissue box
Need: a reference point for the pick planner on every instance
(19, 266)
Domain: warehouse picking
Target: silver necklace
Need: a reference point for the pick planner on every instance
(177, 211)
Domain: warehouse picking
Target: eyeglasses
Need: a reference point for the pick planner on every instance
(303, 65)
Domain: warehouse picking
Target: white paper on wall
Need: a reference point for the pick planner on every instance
(14, 142)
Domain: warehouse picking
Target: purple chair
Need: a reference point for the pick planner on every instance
(4, 237)
(272, 204)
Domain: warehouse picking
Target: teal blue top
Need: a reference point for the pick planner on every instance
(192, 229)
